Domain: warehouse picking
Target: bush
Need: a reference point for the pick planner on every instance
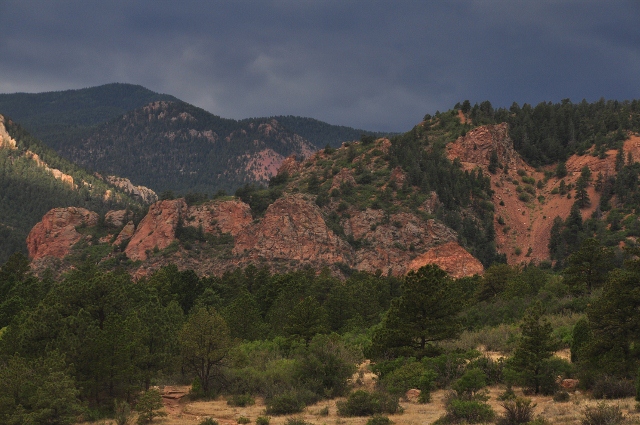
(379, 420)
(324, 411)
(149, 405)
(263, 420)
(470, 383)
(241, 400)
(508, 394)
(285, 404)
(122, 412)
(469, 411)
(363, 403)
(602, 414)
(518, 411)
(243, 420)
(561, 397)
(208, 421)
(612, 388)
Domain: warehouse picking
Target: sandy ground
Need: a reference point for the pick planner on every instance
(182, 411)
(570, 413)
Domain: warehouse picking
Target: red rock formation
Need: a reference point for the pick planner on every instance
(292, 229)
(157, 228)
(125, 234)
(220, 217)
(117, 218)
(56, 233)
(390, 243)
(451, 258)
(398, 176)
(474, 149)
(290, 166)
(344, 176)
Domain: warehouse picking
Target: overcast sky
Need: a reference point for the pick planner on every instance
(377, 65)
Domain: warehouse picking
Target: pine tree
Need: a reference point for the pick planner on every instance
(535, 347)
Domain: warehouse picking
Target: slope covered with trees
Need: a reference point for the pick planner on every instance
(28, 189)
(55, 117)
(76, 123)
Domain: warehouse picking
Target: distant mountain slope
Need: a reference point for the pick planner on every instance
(34, 179)
(179, 147)
(98, 128)
(53, 116)
(320, 133)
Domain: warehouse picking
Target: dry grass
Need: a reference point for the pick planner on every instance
(192, 413)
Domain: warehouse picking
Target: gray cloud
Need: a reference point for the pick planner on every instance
(371, 64)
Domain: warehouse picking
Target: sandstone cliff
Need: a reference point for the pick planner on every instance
(56, 233)
(144, 194)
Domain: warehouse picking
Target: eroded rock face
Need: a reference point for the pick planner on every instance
(157, 228)
(475, 148)
(220, 217)
(292, 229)
(56, 233)
(450, 257)
(343, 176)
(117, 218)
(125, 234)
(290, 166)
(143, 193)
(389, 243)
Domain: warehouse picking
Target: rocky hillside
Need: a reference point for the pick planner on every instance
(346, 209)
(446, 193)
(160, 142)
(34, 179)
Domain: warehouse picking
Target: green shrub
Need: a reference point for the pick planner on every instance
(263, 420)
(508, 394)
(470, 383)
(602, 414)
(469, 411)
(208, 421)
(149, 405)
(561, 397)
(285, 404)
(122, 411)
(379, 420)
(612, 388)
(241, 400)
(363, 403)
(518, 411)
(324, 411)
(243, 420)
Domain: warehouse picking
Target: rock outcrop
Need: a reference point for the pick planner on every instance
(125, 234)
(474, 149)
(6, 141)
(157, 229)
(290, 166)
(142, 193)
(450, 257)
(293, 230)
(56, 234)
(231, 216)
(389, 243)
(117, 218)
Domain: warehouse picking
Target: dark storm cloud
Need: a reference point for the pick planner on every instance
(371, 64)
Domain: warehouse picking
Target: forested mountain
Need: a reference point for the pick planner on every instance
(321, 134)
(55, 117)
(34, 179)
(279, 295)
(548, 132)
(108, 129)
